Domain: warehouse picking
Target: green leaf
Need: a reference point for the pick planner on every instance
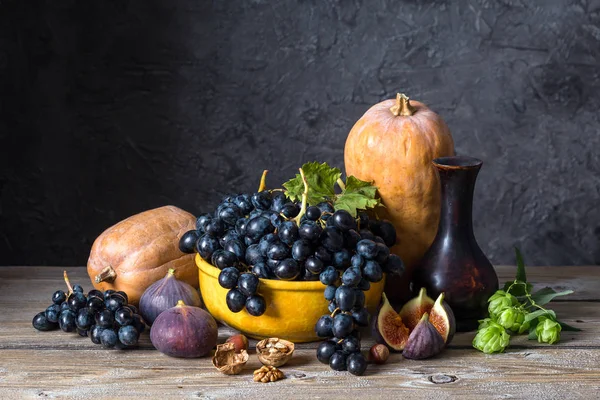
(321, 179)
(534, 315)
(521, 276)
(532, 335)
(567, 327)
(358, 195)
(545, 295)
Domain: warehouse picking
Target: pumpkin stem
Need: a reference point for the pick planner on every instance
(263, 181)
(402, 106)
(304, 198)
(108, 274)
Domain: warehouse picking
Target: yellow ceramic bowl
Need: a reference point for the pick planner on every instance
(293, 307)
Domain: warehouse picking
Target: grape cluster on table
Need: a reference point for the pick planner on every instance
(256, 236)
(106, 318)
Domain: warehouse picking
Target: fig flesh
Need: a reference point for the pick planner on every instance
(387, 327)
(440, 314)
(442, 318)
(414, 309)
(424, 341)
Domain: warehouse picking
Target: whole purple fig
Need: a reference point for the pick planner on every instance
(184, 331)
(164, 294)
(424, 341)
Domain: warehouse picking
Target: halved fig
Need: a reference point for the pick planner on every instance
(387, 327)
(424, 341)
(412, 311)
(442, 318)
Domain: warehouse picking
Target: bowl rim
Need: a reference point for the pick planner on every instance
(213, 271)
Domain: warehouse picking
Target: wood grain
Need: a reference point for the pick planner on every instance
(54, 364)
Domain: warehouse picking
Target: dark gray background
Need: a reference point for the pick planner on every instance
(109, 108)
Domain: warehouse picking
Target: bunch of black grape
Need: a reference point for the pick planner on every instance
(104, 317)
(261, 236)
(250, 237)
(366, 257)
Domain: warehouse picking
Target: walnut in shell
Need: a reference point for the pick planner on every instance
(228, 361)
(274, 352)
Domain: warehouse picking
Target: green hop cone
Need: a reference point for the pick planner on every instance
(513, 318)
(491, 339)
(484, 323)
(499, 302)
(547, 330)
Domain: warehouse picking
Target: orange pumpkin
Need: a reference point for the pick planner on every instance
(138, 251)
(393, 144)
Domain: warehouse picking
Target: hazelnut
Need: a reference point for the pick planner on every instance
(239, 341)
(228, 361)
(379, 353)
(274, 352)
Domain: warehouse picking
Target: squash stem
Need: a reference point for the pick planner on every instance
(402, 106)
(304, 198)
(263, 181)
(108, 274)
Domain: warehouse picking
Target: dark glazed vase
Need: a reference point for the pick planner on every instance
(454, 263)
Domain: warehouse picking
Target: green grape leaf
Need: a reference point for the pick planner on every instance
(321, 179)
(567, 327)
(538, 313)
(545, 295)
(358, 195)
(521, 276)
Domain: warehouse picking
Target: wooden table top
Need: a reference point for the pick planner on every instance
(55, 364)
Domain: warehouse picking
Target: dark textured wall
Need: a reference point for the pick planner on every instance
(108, 108)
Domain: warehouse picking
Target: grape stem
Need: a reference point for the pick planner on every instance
(68, 283)
(263, 181)
(341, 184)
(304, 198)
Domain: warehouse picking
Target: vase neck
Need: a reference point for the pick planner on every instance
(457, 187)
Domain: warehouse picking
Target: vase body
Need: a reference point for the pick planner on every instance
(454, 264)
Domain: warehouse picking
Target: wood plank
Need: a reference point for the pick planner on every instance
(16, 330)
(38, 284)
(471, 375)
(584, 280)
(55, 364)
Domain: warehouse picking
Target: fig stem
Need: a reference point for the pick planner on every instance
(180, 303)
(304, 198)
(108, 274)
(263, 181)
(68, 282)
(171, 271)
